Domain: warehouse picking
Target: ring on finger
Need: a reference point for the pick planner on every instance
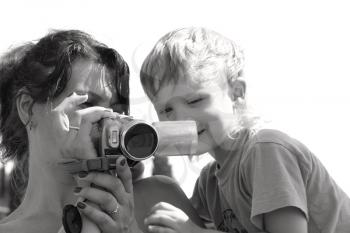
(115, 212)
(74, 128)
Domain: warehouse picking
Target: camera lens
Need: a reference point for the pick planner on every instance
(140, 141)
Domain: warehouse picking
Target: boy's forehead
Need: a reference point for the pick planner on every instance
(183, 88)
(171, 89)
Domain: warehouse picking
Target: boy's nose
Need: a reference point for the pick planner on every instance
(181, 115)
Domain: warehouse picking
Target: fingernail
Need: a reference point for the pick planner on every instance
(77, 189)
(122, 162)
(82, 174)
(81, 205)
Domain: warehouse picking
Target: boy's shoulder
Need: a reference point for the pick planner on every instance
(276, 142)
(270, 135)
(274, 137)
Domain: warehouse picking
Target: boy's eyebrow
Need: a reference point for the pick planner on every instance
(159, 103)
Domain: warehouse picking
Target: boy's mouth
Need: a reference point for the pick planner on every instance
(201, 131)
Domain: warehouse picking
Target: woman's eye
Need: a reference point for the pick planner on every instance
(117, 108)
(86, 105)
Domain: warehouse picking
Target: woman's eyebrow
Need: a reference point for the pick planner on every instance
(91, 95)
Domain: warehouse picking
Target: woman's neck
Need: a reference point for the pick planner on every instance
(48, 190)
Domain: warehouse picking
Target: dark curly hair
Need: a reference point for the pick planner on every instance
(43, 69)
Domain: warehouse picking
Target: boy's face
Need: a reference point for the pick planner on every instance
(208, 104)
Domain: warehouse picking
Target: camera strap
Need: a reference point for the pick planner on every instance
(100, 164)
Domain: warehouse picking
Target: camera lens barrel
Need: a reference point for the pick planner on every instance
(176, 138)
(138, 140)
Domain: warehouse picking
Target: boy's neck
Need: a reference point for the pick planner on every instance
(230, 144)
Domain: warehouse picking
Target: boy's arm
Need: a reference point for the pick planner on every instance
(285, 220)
(150, 191)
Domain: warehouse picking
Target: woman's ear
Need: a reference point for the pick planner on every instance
(24, 104)
(237, 89)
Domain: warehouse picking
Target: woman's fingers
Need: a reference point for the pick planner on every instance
(100, 218)
(71, 102)
(79, 144)
(124, 174)
(137, 171)
(159, 229)
(105, 200)
(110, 183)
(91, 115)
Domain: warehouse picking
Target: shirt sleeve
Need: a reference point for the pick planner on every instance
(274, 176)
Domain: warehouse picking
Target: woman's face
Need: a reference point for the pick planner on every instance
(52, 124)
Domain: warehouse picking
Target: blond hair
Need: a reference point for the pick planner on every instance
(191, 51)
(199, 53)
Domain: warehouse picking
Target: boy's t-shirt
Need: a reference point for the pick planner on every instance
(263, 172)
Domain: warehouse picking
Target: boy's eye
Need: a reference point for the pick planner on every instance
(167, 110)
(194, 101)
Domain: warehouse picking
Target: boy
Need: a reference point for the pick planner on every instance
(261, 180)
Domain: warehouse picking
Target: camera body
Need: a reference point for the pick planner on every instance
(136, 140)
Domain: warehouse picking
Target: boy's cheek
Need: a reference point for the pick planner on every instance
(162, 117)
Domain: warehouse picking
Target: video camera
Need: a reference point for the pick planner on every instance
(136, 140)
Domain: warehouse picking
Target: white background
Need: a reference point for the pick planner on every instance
(297, 58)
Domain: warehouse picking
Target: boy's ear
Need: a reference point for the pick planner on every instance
(237, 89)
(24, 103)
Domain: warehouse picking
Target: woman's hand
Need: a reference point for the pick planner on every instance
(114, 197)
(77, 124)
(166, 218)
(109, 202)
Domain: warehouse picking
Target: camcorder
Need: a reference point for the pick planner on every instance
(136, 140)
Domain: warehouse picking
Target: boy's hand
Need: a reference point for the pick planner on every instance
(166, 218)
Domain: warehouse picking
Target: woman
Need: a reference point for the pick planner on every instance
(52, 94)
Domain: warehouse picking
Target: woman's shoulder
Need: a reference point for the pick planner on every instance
(31, 224)
(14, 226)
